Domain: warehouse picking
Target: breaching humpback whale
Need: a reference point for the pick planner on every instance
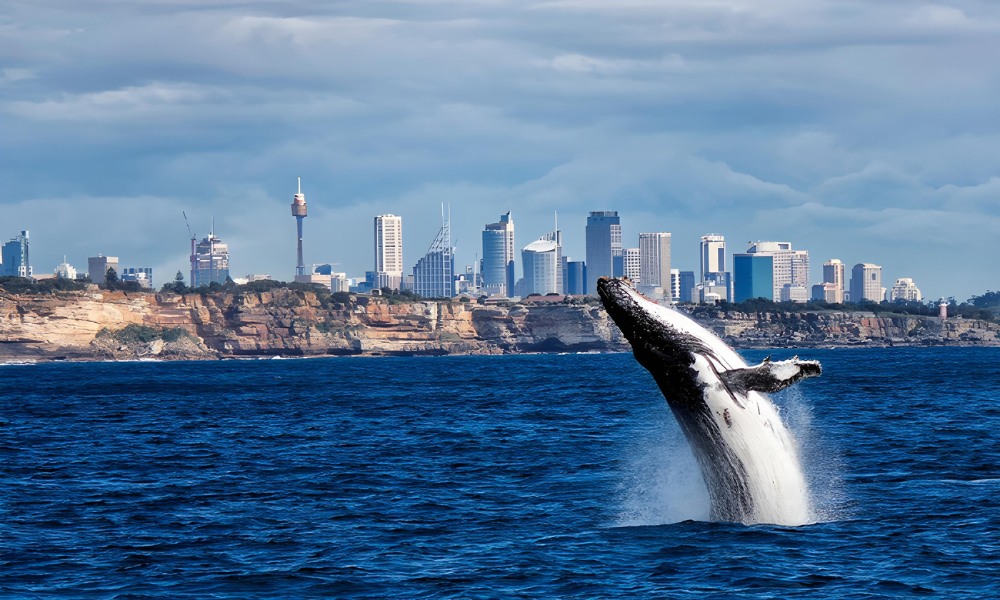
(747, 457)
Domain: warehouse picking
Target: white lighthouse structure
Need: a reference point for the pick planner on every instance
(299, 211)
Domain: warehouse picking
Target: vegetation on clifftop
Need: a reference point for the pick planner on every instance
(984, 307)
(143, 334)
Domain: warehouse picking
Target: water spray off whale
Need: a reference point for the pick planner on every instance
(747, 456)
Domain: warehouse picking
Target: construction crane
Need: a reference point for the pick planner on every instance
(193, 239)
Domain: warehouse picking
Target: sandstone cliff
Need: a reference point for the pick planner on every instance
(284, 322)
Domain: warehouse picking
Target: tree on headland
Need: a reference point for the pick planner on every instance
(111, 279)
(176, 286)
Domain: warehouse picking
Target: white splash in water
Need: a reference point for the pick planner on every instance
(662, 481)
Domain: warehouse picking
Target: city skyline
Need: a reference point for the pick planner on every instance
(863, 133)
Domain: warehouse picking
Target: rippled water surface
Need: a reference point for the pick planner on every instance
(513, 476)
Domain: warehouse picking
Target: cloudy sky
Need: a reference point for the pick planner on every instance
(865, 131)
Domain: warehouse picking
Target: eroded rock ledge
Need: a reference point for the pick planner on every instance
(285, 322)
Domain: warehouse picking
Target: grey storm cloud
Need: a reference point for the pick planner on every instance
(864, 131)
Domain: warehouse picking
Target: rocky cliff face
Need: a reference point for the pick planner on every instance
(831, 328)
(284, 322)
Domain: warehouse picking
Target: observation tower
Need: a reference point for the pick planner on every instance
(299, 212)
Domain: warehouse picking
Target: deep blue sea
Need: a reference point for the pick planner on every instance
(543, 476)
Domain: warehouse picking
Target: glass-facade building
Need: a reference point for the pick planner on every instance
(210, 262)
(604, 247)
(498, 257)
(434, 274)
(14, 258)
(754, 277)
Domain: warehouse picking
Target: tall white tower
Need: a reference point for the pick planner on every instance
(299, 212)
(389, 251)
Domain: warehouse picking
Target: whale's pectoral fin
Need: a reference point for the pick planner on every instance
(771, 376)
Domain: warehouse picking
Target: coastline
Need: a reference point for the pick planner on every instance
(101, 325)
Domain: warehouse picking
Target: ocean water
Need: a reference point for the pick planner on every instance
(483, 477)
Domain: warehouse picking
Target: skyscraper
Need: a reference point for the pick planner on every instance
(789, 266)
(713, 256)
(604, 245)
(574, 277)
(542, 264)
(834, 273)
(388, 251)
(654, 264)
(299, 210)
(715, 282)
(866, 283)
(97, 267)
(754, 277)
(434, 274)
(631, 265)
(210, 261)
(14, 257)
(498, 257)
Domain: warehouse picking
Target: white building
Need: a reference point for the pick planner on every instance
(866, 283)
(388, 251)
(543, 265)
(632, 265)
(713, 255)
(828, 292)
(654, 264)
(64, 270)
(906, 291)
(834, 275)
(794, 293)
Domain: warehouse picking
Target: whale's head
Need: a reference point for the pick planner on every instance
(661, 338)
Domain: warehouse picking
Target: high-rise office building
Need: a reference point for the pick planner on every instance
(654, 264)
(604, 245)
(715, 281)
(97, 267)
(789, 266)
(14, 257)
(866, 283)
(687, 287)
(754, 277)
(498, 257)
(713, 255)
(675, 285)
(210, 261)
(388, 251)
(833, 274)
(434, 274)
(542, 265)
(574, 277)
(631, 265)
